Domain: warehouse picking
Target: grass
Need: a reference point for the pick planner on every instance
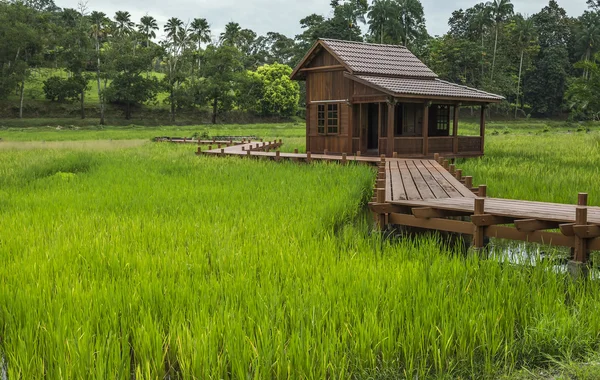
(148, 260)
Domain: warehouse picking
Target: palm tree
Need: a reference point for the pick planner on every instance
(412, 20)
(231, 35)
(500, 10)
(480, 21)
(588, 37)
(147, 27)
(99, 32)
(172, 28)
(380, 15)
(201, 34)
(124, 23)
(525, 29)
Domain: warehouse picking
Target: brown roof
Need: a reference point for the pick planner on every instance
(376, 59)
(425, 87)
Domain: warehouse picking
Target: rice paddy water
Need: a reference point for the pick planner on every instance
(149, 262)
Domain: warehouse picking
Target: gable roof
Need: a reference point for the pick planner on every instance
(425, 88)
(373, 59)
(391, 69)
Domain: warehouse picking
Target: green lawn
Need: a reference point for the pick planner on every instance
(121, 257)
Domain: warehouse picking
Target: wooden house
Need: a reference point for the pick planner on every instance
(380, 99)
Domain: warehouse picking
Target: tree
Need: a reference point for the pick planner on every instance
(269, 91)
(100, 32)
(500, 10)
(232, 34)
(147, 28)
(200, 30)
(397, 21)
(545, 85)
(480, 20)
(588, 37)
(222, 70)
(128, 87)
(525, 31)
(174, 46)
(124, 25)
(582, 95)
(594, 4)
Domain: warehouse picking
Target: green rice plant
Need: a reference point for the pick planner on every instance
(149, 261)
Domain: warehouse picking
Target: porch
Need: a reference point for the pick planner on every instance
(413, 130)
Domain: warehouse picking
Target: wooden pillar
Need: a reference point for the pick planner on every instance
(455, 129)
(479, 232)
(382, 147)
(482, 128)
(391, 119)
(426, 129)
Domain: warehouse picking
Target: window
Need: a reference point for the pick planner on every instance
(443, 119)
(328, 122)
(321, 119)
(332, 119)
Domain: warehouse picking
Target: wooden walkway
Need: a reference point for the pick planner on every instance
(432, 194)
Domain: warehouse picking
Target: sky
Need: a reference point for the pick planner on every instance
(283, 16)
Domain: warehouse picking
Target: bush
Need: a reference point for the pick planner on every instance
(61, 89)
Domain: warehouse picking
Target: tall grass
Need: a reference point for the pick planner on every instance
(150, 262)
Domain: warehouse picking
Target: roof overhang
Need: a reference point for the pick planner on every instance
(425, 97)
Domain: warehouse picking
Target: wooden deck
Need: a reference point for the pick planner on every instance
(432, 194)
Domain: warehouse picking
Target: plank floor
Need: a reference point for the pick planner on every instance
(421, 179)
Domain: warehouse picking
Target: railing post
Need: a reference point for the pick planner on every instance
(578, 267)
(395, 154)
(469, 182)
(436, 157)
(277, 155)
(459, 174)
(446, 164)
(479, 232)
(308, 157)
(452, 169)
(344, 160)
(210, 147)
(482, 191)
(199, 150)
(358, 153)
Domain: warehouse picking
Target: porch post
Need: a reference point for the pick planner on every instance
(391, 118)
(482, 127)
(426, 128)
(455, 128)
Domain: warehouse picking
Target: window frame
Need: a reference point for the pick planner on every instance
(325, 127)
(442, 118)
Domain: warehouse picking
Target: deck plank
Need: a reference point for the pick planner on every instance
(399, 193)
(434, 186)
(410, 187)
(420, 182)
(464, 192)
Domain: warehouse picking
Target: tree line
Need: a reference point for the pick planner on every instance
(544, 64)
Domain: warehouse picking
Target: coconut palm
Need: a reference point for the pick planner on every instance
(172, 28)
(232, 34)
(200, 30)
(147, 27)
(525, 30)
(412, 20)
(500, 10)
(380, 15)
(124, 25)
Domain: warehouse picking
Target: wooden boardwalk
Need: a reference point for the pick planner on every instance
(432, 194)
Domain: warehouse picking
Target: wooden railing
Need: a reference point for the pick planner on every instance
(408, 145)
(469, 144)
(441, 144)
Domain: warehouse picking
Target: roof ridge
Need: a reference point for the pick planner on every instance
(361, 42)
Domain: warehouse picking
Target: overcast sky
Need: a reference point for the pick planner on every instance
(283, 16)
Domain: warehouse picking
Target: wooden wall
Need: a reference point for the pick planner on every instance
(332, 86)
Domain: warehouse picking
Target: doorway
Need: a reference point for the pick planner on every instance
(373, 127)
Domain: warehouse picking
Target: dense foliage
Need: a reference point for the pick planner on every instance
(532, 60)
